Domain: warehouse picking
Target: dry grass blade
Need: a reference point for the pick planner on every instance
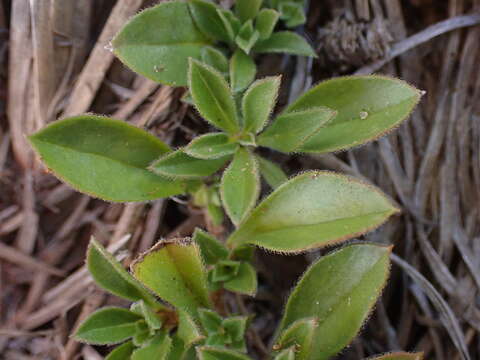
(420, 38)
(446, 314)
(17, 257)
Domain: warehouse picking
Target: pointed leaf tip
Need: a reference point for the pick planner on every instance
(212, 97)
(240, 186)
(368, 107)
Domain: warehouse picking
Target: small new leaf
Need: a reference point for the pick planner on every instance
(367, 108)
(149, 47)
(314, 209)
(121, 352)
(109, 325)
(188, 330)
(338, 291)
(247, 9)
(157, 349)
(271, 172)
(211, 146)
(206, 18)
(244, 282)
(399, 356)
(292, 13)
(258, 103)
(179, 165)
(216, 59)
(104, 158)
(290, 131)
(285, 42)
(231, 23)
(173, 269)
(109, 274)
(211, 249)
(299, 335)
(247, 37)
(210, 320)
(153, 321)
(219, 353)
(265, 22)
(240, 185)
(242, 70)
(212, 97)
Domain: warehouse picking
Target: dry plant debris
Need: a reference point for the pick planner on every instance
(54, 56)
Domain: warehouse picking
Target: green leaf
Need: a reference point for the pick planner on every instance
(245, 282)
(206, 18)
(240, 185)
(179, 165)
(314, 209)
(225, 270)
(242, 71)
(290, 131)
(157, 349)
(265, 22)
(235, 327)
(210, 320)
(247, 37)
(211, 146)
(231, 23)
(149, 47)
(285, 42)
(293, 14)
(211, 249)
(367, 108)
(212, 97)
(287, 354)
(400, 356)
(109, 274)
(243, 253)
(216, 59)
(299, 335)
(339, 291)
(272, 173)
(215, 214)
(104, 158)
(178, 350)
(109, 325)
(121, 352)
(258, 103)
(173, 269)
(218, 353)
(188, 331)
(153, 321)
(142, 333)
(247, 9)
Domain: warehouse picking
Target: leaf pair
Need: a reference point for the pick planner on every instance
(147, 45)
(229, 332)
(341, 113)
(229, 271)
